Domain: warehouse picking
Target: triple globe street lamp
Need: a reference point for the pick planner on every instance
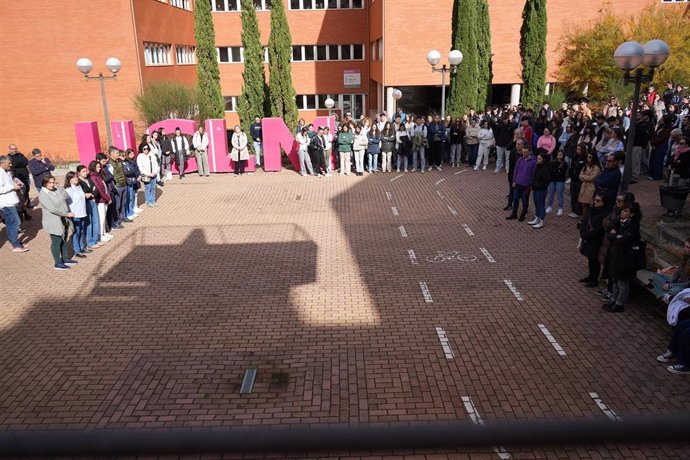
(629, 57)
(84, 65)
(454, 58)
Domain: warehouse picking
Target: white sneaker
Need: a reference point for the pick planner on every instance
(405, 169)
(398, 170)
(430, 168)
(548, 210)
(534, 221)
(539, 224)
(476, 168)
(573, 215)
(560, 212)
(439, 168)
(484, 168)
(422, 171)
(414, 169)
(328, 174)
(495, 171)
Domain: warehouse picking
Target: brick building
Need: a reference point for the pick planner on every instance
(356, 51)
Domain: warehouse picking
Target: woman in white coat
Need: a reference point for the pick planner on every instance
(486, 139)
(147, 161)
(360, 147)
(303, 152)
(240, 152)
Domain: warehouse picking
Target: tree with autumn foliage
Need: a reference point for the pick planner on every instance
(586, 51)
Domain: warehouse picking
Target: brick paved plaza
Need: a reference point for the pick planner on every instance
(335, 290)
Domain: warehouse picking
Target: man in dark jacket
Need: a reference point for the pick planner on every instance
(255, 131)
(503, 134)
(643, 132)
(20, 170)
(120, 193)
(436, 133)
(609, 180)
(40, 167)
(515, 152)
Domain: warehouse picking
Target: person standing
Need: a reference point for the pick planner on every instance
(40, 166)
(92, 195)
(132, 177)
(180, 147)
(77, 206)
(592, 234)
(472, 141)
(56, 215)
(96, 174)
(303, 152)
(328, 150)
(147, 167)
(486, 139)
(20, 170)
(317, 146)
(609, 180)
(200, 143)
(9, 204)
(120, 190)
(540, 184)
(624, 235)
(240, 152)
(255, 131)
(420, 142)
(361, 142)
(455, 140)
(387, 147)
(166, 157)
(374, 148)
(557, 170)
(589, 173)
(577, 162)
(525, 168)
(345, 142)
(437, 137)
(503, 132)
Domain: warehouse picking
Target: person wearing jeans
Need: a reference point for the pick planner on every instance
(56, 213)
(255, 130)
(132, 176)
(148, 167)
(91, 194)
(374, 148)
(539, 186)
(77, 206)
(419, 139)
(504, 131)
(103, 199)
(9, 204)
(472, 141)
(119, 195)
(522, 180)
(180, 147)
(304, 158)
(558, 170)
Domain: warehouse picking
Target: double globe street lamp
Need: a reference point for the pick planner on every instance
(454, 58)
(629, 57)
(84, 65)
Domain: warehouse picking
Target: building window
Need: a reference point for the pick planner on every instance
(376, 53)
(352, 103)
(325, 4)
(305, 53)
(230, 103)
(235, 54)
(185, 54)
(184, 4)
(157, 54)
(220, 6)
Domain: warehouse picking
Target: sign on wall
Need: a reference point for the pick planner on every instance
(352, 79)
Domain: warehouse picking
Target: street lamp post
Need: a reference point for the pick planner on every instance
(433, 58)
(329, 103)
(629, 56)
(84, 65)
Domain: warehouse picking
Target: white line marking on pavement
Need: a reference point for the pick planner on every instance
(439, 181)
(604, 408)
(395, 211)
(438, 192)
(452, 211)
(425, 292)
(551, 339)
(413, 256)
(468, 229)
(460, 172)
(397, 177)
(477, 420)
(487, 255)
(514, 290)
(389, 196)
(403, 232)
(445, 344)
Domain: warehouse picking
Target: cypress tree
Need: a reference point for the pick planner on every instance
(281, 92)
(211, 103)
(484, 55)
(533, 52)
(251, 101)
(463, 84)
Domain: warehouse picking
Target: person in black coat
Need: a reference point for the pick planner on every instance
(540, 184)
(576, 164)
(624, 237)
(20, 170)
(592, 233)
